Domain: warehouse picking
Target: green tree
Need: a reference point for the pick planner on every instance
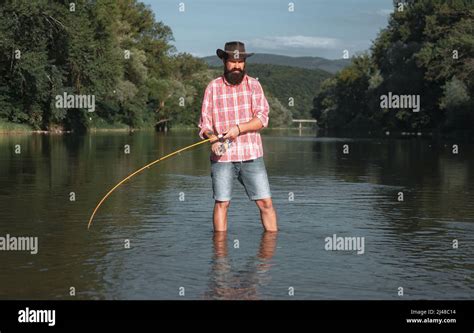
(427, 49)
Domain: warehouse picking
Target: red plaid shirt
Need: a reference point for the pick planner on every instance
(225, 105)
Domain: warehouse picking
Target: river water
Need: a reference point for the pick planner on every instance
(409, 199)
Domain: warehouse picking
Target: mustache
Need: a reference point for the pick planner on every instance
(240, 70)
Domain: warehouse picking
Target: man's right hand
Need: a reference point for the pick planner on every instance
(213, 138)
(210, 135)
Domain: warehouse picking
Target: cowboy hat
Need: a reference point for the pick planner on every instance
(234, 50)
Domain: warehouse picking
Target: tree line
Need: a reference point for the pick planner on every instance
(118, 53)
(427, 50)
(114, 50)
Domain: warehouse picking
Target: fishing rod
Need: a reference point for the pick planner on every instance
(138, 171)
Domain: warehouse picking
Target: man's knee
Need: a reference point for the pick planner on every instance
(265, 205)
(222, 204)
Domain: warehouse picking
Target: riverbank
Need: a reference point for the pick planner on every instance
(13, 128)
(103, 127)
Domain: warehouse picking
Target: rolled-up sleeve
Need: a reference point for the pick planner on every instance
(205, 122)
(260, 106)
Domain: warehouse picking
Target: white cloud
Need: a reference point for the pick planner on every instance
(307, 42)
(384, 12)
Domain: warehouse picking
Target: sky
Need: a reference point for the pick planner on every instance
(322, 28)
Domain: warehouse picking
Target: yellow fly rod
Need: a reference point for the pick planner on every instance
(137, 172)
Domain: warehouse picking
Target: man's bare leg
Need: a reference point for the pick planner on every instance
(267, 214)
(220, 215)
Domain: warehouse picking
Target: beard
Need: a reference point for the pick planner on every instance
(235, 76)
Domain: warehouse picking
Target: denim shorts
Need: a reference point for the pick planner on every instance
(252, 174)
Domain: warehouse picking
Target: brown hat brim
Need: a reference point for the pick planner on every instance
(224, 54)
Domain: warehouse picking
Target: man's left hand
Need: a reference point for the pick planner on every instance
(232, 133)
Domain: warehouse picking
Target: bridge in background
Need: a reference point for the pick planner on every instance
(301, 121)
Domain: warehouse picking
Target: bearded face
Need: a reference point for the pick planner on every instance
(234, 71)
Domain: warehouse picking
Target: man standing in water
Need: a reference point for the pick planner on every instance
(234, 109)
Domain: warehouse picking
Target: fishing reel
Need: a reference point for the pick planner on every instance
(224, 145)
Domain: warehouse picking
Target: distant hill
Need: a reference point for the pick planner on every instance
(331, 66)
(285, 82)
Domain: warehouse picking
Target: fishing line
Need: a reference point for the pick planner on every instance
(137, 172)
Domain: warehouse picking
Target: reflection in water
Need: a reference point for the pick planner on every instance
(227, 283)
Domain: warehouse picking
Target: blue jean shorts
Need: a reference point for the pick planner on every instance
(251, 174)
